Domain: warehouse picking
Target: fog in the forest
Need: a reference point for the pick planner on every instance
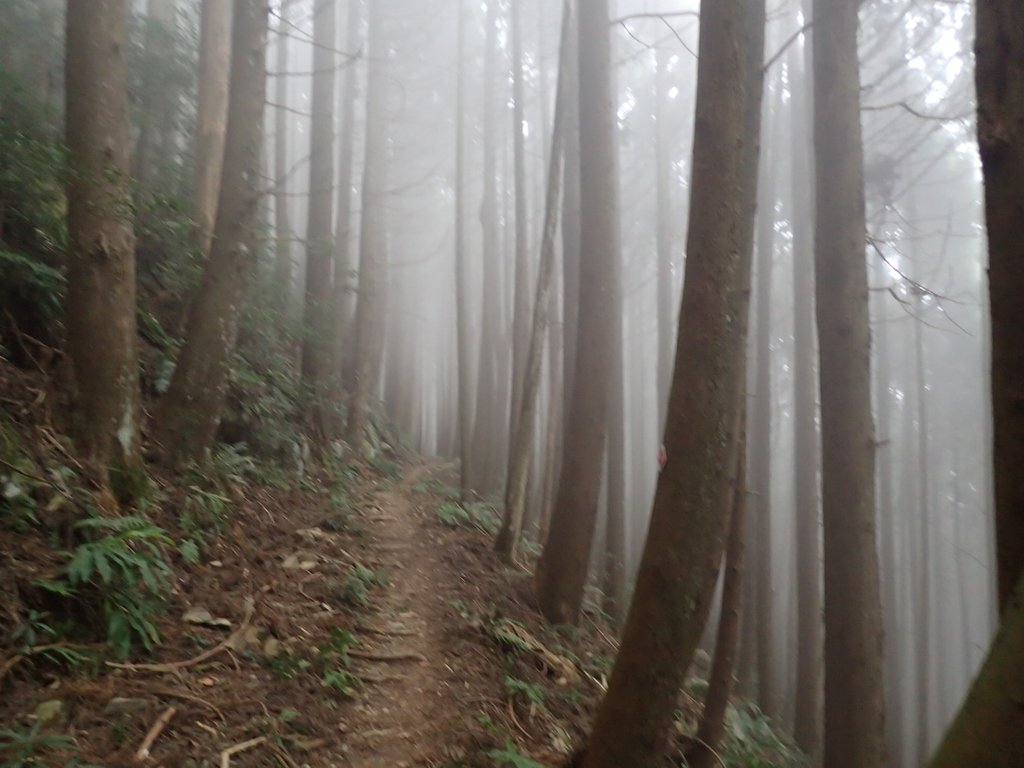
(414, 98)
(925, 255)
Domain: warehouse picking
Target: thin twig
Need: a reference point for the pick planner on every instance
(154, 733)
(225, 756)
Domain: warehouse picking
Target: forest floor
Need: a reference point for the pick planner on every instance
(382, 632)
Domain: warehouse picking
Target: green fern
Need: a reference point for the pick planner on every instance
(121, 561)
(511, 756)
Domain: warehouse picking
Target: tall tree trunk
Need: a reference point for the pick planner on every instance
(486, 425)
(720, 681)
(989, 730)
(854, 711)
(341, 302)
(284, 267)
(692, 505)
(884, 462)
(806, 457)
(614, 587)
(923, 580)
(370, 307)
(212, 116)
(524, 423)
(521, 287)
(760, 454)
(663, 224)
(317, 356)
(462, 319)
(562, 570)
(102, 341)
(1000, 74)
(191, 411)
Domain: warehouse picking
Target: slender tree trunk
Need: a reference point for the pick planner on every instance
(720, 681)
(191, 411)
(888, 522)
(370, 309)
(341, 302)
(521, 288)
(692, 506)
(524, 423)
(486, 425)
(808, 717)
(212, 117)
(562, 570)
(760, 454)
(923, 588)
(854, 710)
(284, 267)
(317, 356)
(663, 224)
(102, 340)
(462, 319)
(615, 472)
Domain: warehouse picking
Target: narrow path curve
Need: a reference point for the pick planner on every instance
(410, 701)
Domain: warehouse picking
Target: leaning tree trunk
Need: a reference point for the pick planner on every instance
(370, 307)
(317, 357)
(562, 570)
(854, 711)
(525, 422)
(212, 116)
(192, 409)
(102, 340)
(688, 528)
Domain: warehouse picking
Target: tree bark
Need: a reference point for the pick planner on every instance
(462, 318)
(373, 274)
(663, 224)
(720, 681)
(692, 504)
(999, 48)
(317, 356)
(524, 424)
(102, 341)
(191, 412)
(562, 570)
(284, 267)
(808, 721)
(212, 116)
(854, 711)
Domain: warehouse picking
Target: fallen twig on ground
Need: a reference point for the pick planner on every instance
(154, 733)
(225, 756)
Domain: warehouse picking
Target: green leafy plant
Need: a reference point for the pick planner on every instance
(524, 691)
(122, 564)
(356, 589)
(512, 756)
(334, 661)
(24, 748)
(453, 514)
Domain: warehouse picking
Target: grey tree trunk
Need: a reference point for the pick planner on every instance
(854, 709)
(317, 356)
(212, 116)
(562, 569)
(370, 309)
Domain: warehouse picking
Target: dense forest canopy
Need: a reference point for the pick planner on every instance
(705, 307)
